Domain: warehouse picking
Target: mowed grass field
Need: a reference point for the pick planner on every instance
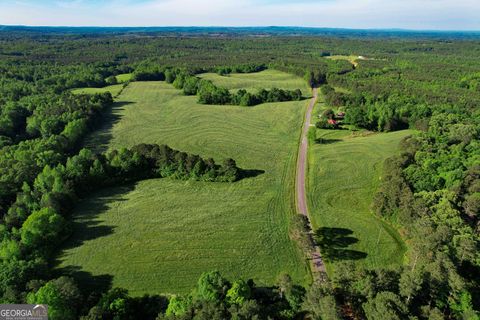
(160, 235)
(124, 77)
(252, 82)
(113, 89)
(351, 58)
(344, 174)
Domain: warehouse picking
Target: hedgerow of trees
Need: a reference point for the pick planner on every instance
(207, 91)
(431, 191)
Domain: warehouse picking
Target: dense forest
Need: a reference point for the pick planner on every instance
(431, 191)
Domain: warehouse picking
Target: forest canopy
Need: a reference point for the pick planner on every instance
(431, 191)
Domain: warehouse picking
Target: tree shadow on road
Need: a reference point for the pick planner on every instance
(333, 243)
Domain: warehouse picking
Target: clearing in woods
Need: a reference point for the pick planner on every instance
(124, 77)
(351, 58)
(113, 89)
(252, 82)
(159, 235)
(344, 174)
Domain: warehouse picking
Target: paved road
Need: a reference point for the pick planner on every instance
(317, 265)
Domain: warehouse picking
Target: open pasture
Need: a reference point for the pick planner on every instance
(113, 89)
(253, 82)
(344, 173)
(160, 235)
(124, 77)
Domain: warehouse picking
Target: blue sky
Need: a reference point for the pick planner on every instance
(407, 14)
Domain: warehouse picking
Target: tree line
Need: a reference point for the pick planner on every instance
(433, 191)
(54, 129)
(242, 68)
(39, 218)
(430, 191)
(208, 92)
(213, 298)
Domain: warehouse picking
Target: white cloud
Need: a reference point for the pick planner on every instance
(412, 14)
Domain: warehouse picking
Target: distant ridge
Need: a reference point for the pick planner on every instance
(244, 31)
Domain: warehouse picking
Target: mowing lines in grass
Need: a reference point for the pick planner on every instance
(163, 233)
(344, 173)
(113, 89)
(253, 82)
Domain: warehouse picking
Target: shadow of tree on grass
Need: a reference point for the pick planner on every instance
(250, 173)
(326, 141)
(86, 281)
(86, 226)
(334, 242)
(101, 136)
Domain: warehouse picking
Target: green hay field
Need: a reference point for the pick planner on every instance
(113, 89)
(124, 77)
(160, 235)
(252, 82)
(344, 174)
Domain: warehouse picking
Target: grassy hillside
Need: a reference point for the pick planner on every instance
(344, 173)
(159, 235)
(124, 77)
(260, 80)
(113, 89)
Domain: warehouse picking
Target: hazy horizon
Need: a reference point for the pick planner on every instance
(236, 27)
(426, 15)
